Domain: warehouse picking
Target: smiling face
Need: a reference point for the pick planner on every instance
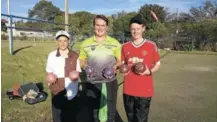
(137, 30)
(62, 42)
(100, 27)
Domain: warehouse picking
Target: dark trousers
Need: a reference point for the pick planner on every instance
(64, 110)
(93, 96)
(137, 108)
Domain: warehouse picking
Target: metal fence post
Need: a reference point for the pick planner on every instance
(10, 35)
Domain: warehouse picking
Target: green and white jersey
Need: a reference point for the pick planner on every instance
(100, 55)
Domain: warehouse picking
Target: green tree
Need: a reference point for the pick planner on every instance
(44, 10)
(59, 19)
(121, 24)
(204, 33)
(83, 22)
(207, 10)
(145, 12)
(80, 23)
(158, 31)
(111, 21)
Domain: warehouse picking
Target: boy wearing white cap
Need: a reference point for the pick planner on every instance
(63, 69)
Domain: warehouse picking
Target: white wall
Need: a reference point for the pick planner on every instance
(28, 33)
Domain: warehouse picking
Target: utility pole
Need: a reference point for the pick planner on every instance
(177, 29)
(177, 20)
(66, 16)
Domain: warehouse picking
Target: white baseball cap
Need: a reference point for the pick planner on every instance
(62, 33)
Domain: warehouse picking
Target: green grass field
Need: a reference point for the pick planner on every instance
(185, 86)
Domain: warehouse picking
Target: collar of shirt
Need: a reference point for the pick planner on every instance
(94, 39)
(69, 53)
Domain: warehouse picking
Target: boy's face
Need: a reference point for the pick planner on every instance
(63, 42)
(100, 27)
(137, 30)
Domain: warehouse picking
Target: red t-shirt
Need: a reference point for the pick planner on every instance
(139, 85)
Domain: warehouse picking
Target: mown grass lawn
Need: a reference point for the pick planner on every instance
(185, 87)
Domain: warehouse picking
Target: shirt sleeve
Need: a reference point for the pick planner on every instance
(78, 66)
(156, 56)
(117, 50)
(49, 68)
(82, 54)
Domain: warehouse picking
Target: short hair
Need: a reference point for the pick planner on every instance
(138, 20)
(101, 17)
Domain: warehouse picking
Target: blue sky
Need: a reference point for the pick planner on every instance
(107, 7)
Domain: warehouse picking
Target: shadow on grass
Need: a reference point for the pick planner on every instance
(22, 48)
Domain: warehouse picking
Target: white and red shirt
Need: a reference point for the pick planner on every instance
(146, 52)
(56, 64)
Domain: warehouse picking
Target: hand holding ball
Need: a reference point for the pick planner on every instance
(51, 78)
(74, 75)
(124, 68)
(108, 73)
(89, 71)
(139, 68)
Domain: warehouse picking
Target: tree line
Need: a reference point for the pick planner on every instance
(196, 30)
